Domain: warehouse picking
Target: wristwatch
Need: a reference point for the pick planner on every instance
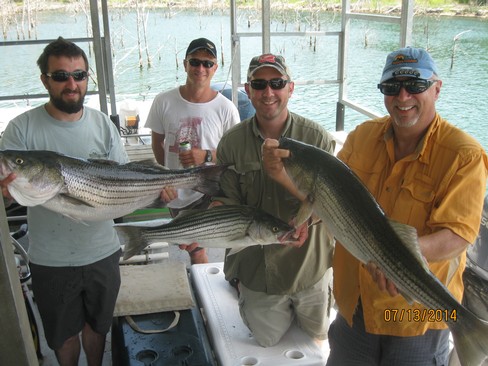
(208, 157)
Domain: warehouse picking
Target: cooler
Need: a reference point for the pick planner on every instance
(232, 343)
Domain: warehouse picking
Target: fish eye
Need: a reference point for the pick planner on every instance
(19, 161)
(275, 229)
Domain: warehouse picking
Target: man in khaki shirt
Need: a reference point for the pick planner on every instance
(277, 283)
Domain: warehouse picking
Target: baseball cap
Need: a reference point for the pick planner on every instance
(409, 62)
(268, 60)
(201, 44)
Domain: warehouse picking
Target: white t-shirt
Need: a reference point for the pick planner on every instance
(201, 124)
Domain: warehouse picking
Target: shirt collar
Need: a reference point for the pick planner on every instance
(257, 133)
(423, 147)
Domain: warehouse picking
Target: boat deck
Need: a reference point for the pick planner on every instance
(175, 254)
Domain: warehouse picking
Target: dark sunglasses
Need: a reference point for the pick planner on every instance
(415, 86)
(61, 76)
(196, 63)
(275, 84)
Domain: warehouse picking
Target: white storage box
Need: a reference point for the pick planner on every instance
(231, 340)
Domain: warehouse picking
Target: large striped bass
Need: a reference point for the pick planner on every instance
(228, 226)
(352, 215)
(93, 190)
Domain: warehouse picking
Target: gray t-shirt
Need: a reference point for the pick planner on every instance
(55, 240)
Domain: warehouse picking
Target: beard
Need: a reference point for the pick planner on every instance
(67, 107)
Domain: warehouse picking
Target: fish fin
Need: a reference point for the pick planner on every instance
(148, 163)
(408, 235)
(74, 201)
(104, 162)
(157, 203)
(209, 183)
(470, 337)
(305, 212)
(188, 212)
(135, 240)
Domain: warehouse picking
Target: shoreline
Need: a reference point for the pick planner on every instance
(457, 10)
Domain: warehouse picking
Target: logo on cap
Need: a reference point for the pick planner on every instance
(402, 59)
(271, 59)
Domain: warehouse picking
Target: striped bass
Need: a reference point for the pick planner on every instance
(93, 190)
(353, 216)
(226, 226)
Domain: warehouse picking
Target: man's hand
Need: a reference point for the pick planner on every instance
(192, 157)
(4, 184)
(272, 159)
(168, 194)
(197, 254)
(298, 237)
(273, 165)
(383, 283)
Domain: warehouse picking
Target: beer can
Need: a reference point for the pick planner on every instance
(185, 146)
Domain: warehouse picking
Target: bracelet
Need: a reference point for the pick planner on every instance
(197, 249)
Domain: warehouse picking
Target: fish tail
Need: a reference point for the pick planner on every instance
(135, 240)
(209, 182)
(470, 335)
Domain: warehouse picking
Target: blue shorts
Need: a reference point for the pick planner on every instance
(353, 346)
(69, 297)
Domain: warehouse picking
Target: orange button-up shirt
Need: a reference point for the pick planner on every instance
(441, 185)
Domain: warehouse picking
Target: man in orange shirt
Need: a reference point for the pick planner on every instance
(423, 172)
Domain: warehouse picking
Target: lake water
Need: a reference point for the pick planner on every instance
(463, 98)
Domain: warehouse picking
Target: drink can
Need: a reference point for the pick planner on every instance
(185, 146)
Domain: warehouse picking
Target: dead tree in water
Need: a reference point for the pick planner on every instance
(454, 44)
(141, 18)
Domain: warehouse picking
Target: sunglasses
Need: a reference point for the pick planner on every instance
(61, 76)
(196, 63)
(275, 84)
(415, 86)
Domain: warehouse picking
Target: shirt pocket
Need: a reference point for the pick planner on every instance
(250, 181)
(416, 200)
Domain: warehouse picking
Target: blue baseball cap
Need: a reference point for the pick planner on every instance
(409, 62)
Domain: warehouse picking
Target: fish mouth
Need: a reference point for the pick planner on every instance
(286, 237)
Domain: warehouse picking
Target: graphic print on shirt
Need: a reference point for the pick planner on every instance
(190, 129)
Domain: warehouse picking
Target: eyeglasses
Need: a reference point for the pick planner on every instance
(196, 63)
(275, 84)
(61, 76)
(415, 86)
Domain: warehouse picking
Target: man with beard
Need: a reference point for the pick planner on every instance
(74, 265)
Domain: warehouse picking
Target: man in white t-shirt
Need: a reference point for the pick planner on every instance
(193, 113)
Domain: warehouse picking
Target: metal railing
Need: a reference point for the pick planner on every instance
(405, 20)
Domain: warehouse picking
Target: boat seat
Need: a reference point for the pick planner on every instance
(138, 152)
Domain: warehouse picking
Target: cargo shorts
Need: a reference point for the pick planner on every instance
(268, 317)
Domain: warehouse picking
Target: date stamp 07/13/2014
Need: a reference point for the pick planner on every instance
(419, 315)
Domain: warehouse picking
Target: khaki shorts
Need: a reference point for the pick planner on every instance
(268, 317)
